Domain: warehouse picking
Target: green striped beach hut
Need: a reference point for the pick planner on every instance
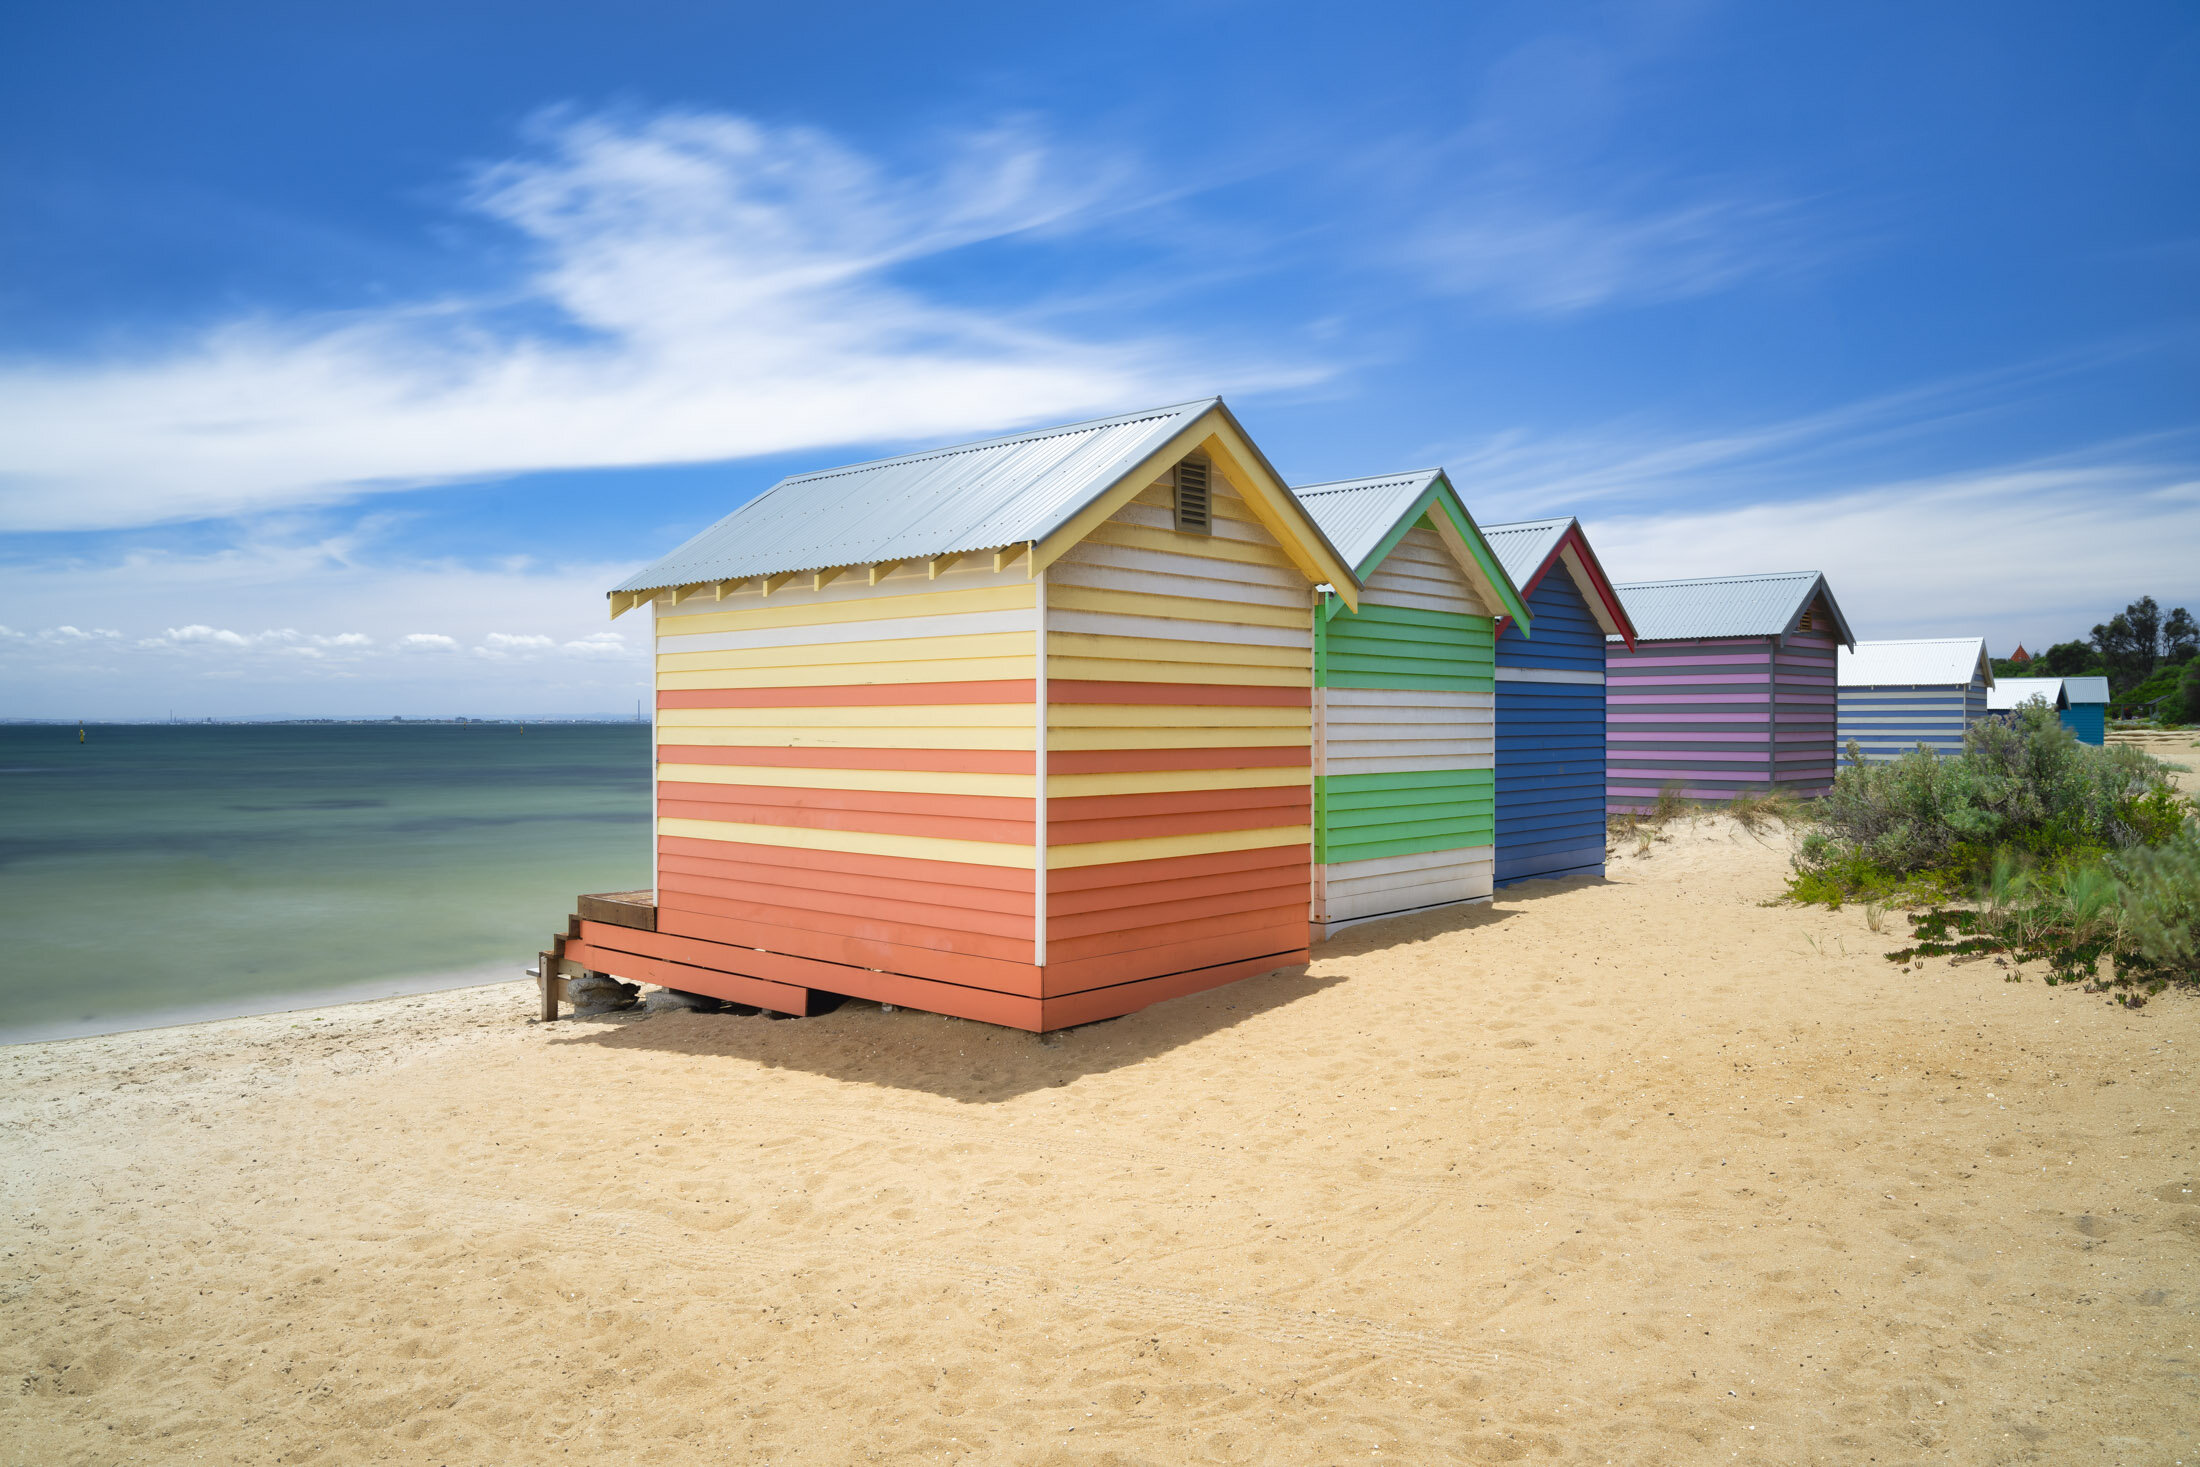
(1405, 701)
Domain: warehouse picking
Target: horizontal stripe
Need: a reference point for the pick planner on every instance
(1147, 573)
(1013, 596)
(1163, 629)
(947, 760)
(1139, 782)
(1002, 936)
(849, 869)
(684, 653)
(946, 896)
(903, 715)
(1178, 715)
(1089, 819)
(1290, 656)
(913, 781)
(961, 817)
(1018, 691)
(1102, 853)
(1506, 674)
(1110, 761)
(976, 853)
(1062, 690)
(915, 957)
(1099, 669)
(880, 635)
(1127, 884)
(825, 736)
(1177, 737)
(1203, 547)
(858, 674)
(1179, 608)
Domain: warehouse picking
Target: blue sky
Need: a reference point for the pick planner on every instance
(346, 355)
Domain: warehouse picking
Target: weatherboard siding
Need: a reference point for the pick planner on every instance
(1807, 712)
(1405, 795)
(849, 779)
(1179, 737)
(1716, 717)
(1888, 720)
(1550, 738)
(2087, 721)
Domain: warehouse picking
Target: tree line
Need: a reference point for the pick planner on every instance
(2146, 654)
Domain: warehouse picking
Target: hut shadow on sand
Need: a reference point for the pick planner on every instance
(973, 1063)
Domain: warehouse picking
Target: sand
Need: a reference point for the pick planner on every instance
(1634, 1171)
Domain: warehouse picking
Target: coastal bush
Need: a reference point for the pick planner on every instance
(1925, 828)
(2139, 910)
(2029, 843)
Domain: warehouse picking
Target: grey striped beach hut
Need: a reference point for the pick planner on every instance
(1925, 691)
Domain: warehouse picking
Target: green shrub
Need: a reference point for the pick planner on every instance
(2023, 785)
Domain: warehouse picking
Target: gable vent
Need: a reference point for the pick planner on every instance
(1194, 501)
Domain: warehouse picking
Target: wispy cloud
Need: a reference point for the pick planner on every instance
(699, 287)
(342, 624)
(1539, 204)
(2033, 548)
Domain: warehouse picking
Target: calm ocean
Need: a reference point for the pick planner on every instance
(162, 872)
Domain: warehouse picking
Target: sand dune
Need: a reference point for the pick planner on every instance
(1636, 1171)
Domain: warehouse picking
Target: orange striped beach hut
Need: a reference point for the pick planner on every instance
(1017, 731)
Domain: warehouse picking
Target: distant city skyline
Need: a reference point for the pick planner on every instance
(350, 356)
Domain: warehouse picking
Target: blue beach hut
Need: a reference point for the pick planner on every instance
(1898, 695)
(2080, 702)
(1550, 701)
(2086, 710)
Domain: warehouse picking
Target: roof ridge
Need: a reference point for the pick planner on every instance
(1035, 435)
(1373, 481)
(1721, 580)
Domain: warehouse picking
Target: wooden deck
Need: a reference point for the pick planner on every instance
(616, 933)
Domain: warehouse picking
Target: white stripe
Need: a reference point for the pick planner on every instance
(964, 624)
(1547, 675)
(1169, 629)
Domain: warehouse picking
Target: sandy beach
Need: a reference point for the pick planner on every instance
(1640, 1170)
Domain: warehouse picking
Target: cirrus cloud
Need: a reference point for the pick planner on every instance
(699, 287)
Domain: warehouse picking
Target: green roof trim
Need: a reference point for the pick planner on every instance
(1439, 495)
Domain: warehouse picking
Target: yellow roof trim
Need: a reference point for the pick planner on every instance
(1279, 511)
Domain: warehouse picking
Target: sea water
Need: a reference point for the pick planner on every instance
(160, 872)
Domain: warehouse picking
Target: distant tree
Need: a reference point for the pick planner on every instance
(2066, 659)
(2145, 619)
(2116, 642)
(2180, 636)
(2184, 706)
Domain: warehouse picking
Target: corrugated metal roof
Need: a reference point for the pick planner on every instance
(1523, 547)
(2086, 689)
(976, 496)
(1920, 661)
(2007, 693)
(1727, 606)
(1356, 514)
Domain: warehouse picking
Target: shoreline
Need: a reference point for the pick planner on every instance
(292, 1001)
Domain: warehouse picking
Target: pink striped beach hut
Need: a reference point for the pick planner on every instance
(1731, 687)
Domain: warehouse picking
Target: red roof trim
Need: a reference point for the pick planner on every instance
(1597, 579)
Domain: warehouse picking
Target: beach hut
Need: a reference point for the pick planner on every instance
(1729, 689)
(1896, 696)
(2011, 693)
(1550, 701)
(2085, 710)
(2081, 703)
(1018, 731)
(1404, 701)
